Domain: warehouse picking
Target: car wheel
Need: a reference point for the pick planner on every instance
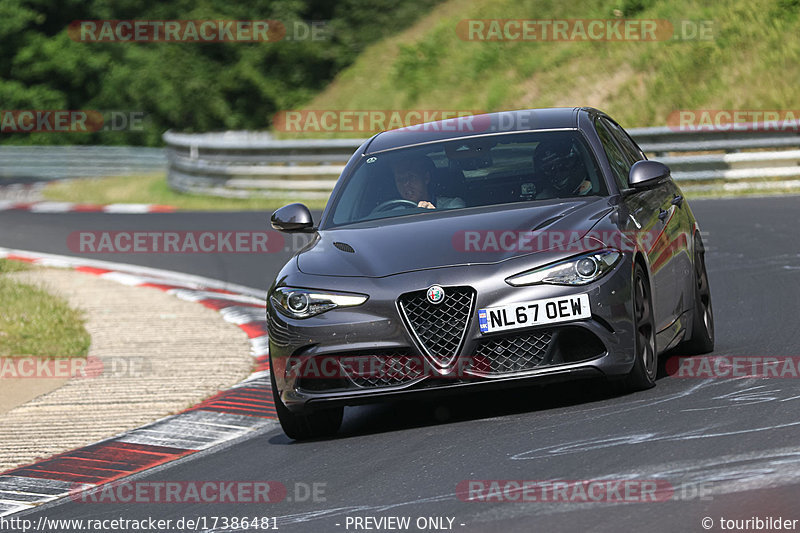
(316, 424)
(702, 339)
(645, 366)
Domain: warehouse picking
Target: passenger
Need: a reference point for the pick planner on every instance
(560, 171)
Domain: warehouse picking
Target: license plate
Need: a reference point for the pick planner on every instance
(534, 313)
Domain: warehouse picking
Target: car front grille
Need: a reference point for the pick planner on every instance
(439, 328)
(508, 354)
(384, 369)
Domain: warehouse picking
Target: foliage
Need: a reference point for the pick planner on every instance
(748, 58)
(183, 86)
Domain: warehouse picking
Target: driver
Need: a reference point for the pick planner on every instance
(560, 170)
(412, 177)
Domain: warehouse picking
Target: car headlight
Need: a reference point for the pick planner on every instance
(578, 270)
(303, 303)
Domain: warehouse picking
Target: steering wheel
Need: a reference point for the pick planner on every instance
(392, 204)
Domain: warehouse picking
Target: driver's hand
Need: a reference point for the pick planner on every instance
(426, 204)
(584, 187)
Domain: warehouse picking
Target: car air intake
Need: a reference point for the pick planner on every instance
(513, 353)
(438, 328)
(388, 368)
(343, 246)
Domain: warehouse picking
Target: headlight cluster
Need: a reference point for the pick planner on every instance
(303, 303)
(578, 270)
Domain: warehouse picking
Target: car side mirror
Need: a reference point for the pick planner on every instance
(647, 173)
(292, 217)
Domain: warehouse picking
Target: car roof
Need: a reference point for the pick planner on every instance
(473, 125)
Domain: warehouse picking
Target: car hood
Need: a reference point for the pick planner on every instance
(450, 238)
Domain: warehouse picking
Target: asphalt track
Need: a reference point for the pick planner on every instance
(728, 448)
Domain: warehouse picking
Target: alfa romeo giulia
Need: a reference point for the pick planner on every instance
(489, 251)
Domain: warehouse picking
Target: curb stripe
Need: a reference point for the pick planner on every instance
(12, 257)
(255, 329)
(87, 208)
(161, 286)
(219, 304)
(26, 492)
(92, 270)
(69, 207)
(130, 458)
(229, 414)
(190, 281)
(249, 400)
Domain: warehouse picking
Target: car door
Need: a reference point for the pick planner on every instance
(679, 233)
(652, 214)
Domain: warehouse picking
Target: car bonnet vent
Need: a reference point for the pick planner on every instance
(547, 222)
(343, 246)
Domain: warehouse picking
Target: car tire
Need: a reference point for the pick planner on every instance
(702, 336)
(645, 365)
(314, 425)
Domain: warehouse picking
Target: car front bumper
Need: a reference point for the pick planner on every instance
(602, 345)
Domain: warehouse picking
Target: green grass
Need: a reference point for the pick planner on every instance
(717, 190)
(753, 62)
(7, 266)
(153, 189)
(715, 195)
(36, 323)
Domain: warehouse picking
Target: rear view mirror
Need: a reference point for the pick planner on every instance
(292, 217)
(647, 173)
(471, 155)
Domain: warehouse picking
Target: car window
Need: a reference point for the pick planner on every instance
(620, 166)
(629, 148)
(470, 172)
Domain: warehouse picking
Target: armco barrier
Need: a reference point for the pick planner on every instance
(244, 164)
(38, 163)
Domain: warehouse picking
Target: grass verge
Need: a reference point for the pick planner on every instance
(750, 60)
(36, 323)
(153, 189)
(710, 195)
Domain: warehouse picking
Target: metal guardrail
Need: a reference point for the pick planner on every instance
(663, 139)
(747, 157)
(37, 163)
(244, 164)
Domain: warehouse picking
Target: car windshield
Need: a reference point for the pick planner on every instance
(464, 173)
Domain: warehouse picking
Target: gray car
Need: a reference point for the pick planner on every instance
(490, 251)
